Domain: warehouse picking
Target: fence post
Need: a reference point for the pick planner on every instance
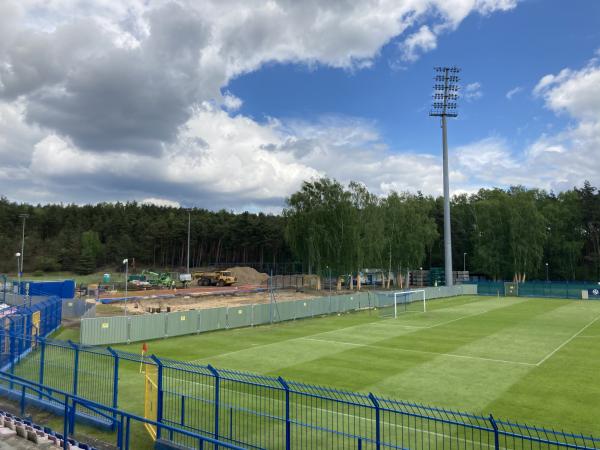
(159, 394)
(496, 434)
(12, 344)
(115, 399)
(22, 403)
(75, 381)
(377, 420)
(288, 428)
(217, 398)
(42, 343)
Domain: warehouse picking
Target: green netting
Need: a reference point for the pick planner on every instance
(239, 316)
(559, 290)
(490, 288)
(212, 319)
(150, 326)
(182, 322)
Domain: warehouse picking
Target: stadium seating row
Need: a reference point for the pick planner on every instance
(41, 437)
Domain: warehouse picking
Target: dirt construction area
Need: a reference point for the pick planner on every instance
(187, 302)
(251, 287)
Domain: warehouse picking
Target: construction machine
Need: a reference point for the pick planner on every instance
(216, 278)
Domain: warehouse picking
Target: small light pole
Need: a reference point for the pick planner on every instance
(421, 277)
(465, 262)
(547, 274)
(126, 262)
(18, 255)
(23, 216)
(188, 239)
(329, 269)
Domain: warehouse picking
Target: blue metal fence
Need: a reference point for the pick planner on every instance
(124, 421)
(242, 409)
(257, 411)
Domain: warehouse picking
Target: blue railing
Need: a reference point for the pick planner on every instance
(243, 409)
(124, 419)
(259, 411)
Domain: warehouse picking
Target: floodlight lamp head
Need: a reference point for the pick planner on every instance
(17, 254)
(126, 260)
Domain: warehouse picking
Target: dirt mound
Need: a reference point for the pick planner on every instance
(248, 275)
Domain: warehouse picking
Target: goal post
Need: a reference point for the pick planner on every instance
(392, 304)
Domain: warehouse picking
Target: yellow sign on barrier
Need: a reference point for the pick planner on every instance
(35, 329)
(151, 398)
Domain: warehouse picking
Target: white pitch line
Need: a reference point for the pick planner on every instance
(451, 355)
(549, 355)
(340, 329)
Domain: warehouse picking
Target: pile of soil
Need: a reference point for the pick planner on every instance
(248, 275)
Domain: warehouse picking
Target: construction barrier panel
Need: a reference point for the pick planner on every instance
(239, 316)
(144, 328)
(261, 314)
(113, 330)
(212, 319)
(108, 330)
(180, 323)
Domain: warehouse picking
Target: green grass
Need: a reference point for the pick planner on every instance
(529, 360)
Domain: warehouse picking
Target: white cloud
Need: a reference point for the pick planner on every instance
(231, 102)
(118, 100)
(490, 6)
(472, 91)
(555, 162)
(574, 92)
(419, 42)
(514, 91)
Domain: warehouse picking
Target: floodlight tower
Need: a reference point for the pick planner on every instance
(444, 106)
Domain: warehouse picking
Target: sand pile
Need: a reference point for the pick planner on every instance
(248, 275)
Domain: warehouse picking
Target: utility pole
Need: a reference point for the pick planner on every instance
(18, 255)
(23, 216)
(188, 240)
(444, 106)
(126, 262)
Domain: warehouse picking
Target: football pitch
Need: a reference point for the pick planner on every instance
(529, 360)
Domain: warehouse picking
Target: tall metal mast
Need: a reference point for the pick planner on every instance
(444, 106)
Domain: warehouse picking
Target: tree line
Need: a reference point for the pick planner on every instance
(86, 238)
(324, 227)
(512, 234)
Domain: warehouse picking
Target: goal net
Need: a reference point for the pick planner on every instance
(392, 304)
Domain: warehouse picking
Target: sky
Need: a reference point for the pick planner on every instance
(213, 104)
